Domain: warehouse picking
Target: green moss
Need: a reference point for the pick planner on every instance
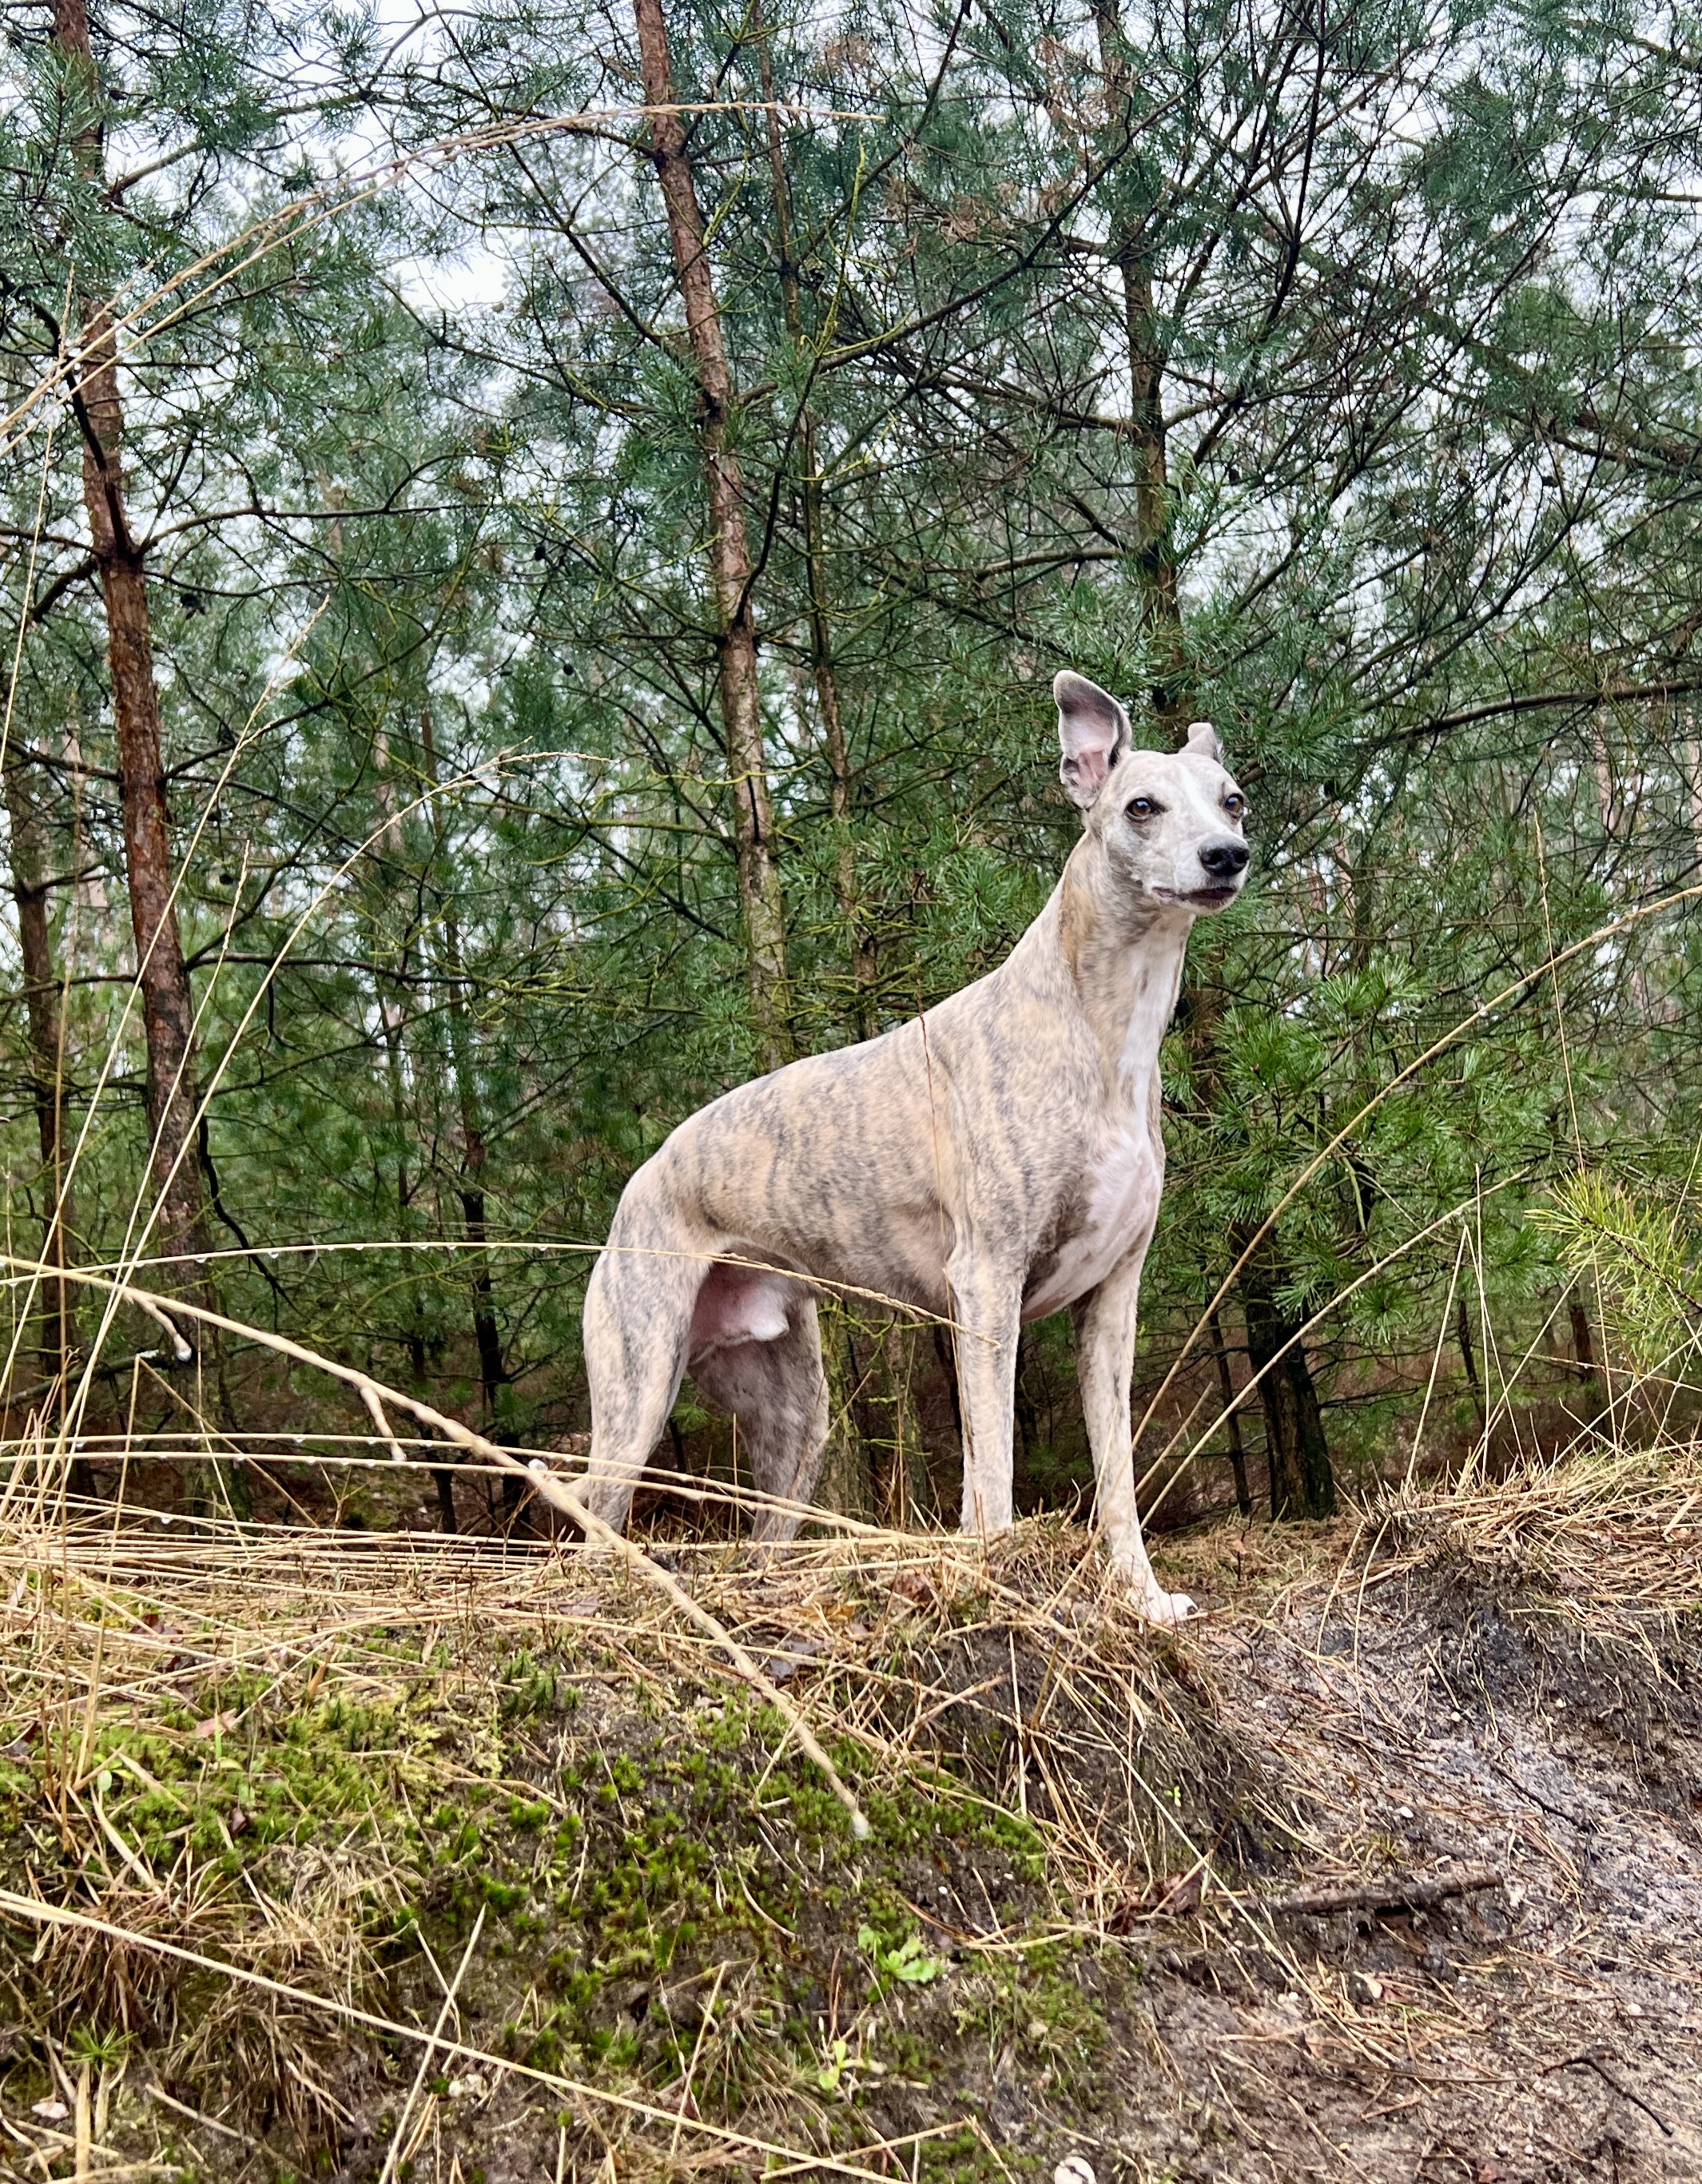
(615, 1902)
(963, 2158)
(529, 1686)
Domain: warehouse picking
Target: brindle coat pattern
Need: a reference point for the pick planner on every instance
(995, 1160)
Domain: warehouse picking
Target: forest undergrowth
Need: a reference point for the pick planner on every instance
(373, 1856)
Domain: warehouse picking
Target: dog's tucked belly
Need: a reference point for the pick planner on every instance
(1118, 1201)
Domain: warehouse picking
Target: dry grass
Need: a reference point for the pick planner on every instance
(1607, 1540)
(287, 1992)
(128, 1638)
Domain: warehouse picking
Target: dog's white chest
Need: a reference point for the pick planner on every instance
(1117, 1201)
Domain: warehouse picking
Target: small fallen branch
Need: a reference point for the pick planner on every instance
(376, 1412)
(1591, 2059)
(1395, 1891)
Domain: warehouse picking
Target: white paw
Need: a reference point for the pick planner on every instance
(1166, 1609)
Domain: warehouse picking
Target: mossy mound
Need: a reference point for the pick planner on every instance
(383, 1863)
(668, 1932)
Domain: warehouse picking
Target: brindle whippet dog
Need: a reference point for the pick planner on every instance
(995, 1160)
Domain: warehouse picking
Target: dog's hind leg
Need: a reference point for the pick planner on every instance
(638, 1329)
(776, 1390)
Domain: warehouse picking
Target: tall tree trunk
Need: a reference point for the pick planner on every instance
(1302, 1482)
(29, 887)
(847, 892)
(730, 559)
(167, 1002)
(1232, 1410)
(823, 673)
(1203, 1013)
(392, 842)
(1154, 540)
(494, 1377)
(391, 1015)
(493, 1373)
(850, 1481)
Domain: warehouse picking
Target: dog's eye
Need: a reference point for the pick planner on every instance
(1236, 806)
(1142, 807)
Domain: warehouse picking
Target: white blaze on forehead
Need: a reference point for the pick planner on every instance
(1205, 799)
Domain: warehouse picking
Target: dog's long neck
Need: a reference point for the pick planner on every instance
(1124, 962)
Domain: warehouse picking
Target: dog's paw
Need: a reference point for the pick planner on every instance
(1165, 1610)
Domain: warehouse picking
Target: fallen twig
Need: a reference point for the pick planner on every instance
(1395, 1891)
(1590, 2060)
(202, 2122)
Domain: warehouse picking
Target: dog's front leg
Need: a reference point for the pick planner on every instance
(986, 1310)
(1104, 1363)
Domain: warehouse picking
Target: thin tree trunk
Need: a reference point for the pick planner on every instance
(1584, 1351)
(29, 887)
(493, 1373)
(1462, 1327)
(1583, 1344)
(881, 1374)
(442, 1477)
(847, 892)
(1302, 1482)
(1155, 531)
(1238, 1454)
(847, 1484)
(851, 1472)
(393, 842)
(821, 666)
(167, 1002)
(494, 1378)
(1154, 540)
(730, 559)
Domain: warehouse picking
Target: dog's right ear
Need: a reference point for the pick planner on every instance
(1093, 735)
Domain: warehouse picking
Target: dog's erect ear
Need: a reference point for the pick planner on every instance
(1202, 738)
(1093, 735)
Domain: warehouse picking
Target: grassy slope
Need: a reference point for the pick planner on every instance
(371, 1774)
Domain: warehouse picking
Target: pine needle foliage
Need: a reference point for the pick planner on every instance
(1642, 1253)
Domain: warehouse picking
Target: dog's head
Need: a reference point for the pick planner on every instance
(1171, 822)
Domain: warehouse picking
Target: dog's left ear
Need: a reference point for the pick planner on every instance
(1202, 738)
(1093, 735)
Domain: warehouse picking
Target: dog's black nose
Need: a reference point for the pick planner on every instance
(1224, 859)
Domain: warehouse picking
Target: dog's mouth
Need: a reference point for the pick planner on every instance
(1207, 898)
